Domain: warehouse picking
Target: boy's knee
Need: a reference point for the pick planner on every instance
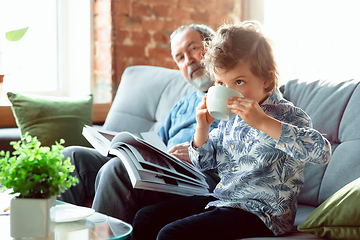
(143, 225)
(171, 231)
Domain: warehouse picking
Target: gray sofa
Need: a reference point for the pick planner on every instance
(146, 94)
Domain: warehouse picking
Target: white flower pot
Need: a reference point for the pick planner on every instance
(31, 217)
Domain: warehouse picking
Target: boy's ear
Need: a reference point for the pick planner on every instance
(269, 82)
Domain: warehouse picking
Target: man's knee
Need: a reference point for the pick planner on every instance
(84, 158)
(73, 152)
(113, 166)
(111, 172)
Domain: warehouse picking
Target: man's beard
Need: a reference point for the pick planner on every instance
(200, 80)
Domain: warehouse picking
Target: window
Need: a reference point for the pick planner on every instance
(313, 39)
(55, 55)
(32, 61)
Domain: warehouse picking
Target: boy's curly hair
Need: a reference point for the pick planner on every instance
(242, 42)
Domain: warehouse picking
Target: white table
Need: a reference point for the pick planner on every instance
(97, 226)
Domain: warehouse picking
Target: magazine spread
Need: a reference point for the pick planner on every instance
(147, 161)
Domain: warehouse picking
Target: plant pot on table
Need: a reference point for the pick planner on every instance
(30, 217)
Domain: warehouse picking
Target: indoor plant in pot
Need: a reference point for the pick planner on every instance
(36, 174)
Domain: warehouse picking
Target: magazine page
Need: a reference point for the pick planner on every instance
(148, 180)
(142, 165)
(99, 139)
(129, 165)
(131, 139)
(144, 156)
(150, 157)
(154, 139)
(152, 182)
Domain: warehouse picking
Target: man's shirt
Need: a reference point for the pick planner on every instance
(180, 124)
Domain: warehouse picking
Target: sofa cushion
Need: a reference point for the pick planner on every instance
(325, 101)
(343, 168)
(322, 100)
(159, 88)
(52, 118)
(349, 126)
(338, 217)
(344, 164)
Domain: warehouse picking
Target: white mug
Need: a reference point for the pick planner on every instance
(216, 102)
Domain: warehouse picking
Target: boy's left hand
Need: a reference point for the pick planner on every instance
(249, 110)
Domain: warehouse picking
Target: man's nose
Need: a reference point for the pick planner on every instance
(189, 59)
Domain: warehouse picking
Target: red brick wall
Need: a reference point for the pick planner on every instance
(103, 51)
(136, 32)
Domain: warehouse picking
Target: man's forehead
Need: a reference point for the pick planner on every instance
(183, 39)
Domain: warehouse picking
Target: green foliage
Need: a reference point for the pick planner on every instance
(35, 171)
(16, 35)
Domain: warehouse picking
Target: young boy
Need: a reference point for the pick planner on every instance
(260, 154)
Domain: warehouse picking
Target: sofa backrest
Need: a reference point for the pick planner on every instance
(333, 108)
(144, 98)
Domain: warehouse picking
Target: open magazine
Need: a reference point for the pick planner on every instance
(147, 161)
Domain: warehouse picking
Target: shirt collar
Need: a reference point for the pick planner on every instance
(200, 94)
(274, 99)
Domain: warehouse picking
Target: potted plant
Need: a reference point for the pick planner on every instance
(36, 174)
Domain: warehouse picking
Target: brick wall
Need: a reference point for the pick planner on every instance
(136, 32)
(103, 51)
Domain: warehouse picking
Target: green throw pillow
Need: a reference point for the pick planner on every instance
(52, 118)
(338, 217)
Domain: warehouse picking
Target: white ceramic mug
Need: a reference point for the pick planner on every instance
(216, 102)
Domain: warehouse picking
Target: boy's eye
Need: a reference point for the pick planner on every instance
(239, 82)
(220, 83)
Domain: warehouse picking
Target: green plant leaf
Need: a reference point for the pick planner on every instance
(16, 35)
(35, 171)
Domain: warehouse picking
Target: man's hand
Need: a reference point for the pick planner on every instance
(181, 151)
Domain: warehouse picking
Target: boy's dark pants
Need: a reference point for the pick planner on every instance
(187, 218)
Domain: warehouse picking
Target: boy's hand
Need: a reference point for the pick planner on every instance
(251, 112)
(203, 118)
(181, 151)
(248, 109)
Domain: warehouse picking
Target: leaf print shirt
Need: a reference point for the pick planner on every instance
(258, 173)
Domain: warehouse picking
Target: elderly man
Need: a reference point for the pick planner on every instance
(114, 194)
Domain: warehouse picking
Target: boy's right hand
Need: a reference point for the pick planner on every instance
(204, 120)
(203, 117)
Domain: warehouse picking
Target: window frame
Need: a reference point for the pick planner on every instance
(70, 73)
